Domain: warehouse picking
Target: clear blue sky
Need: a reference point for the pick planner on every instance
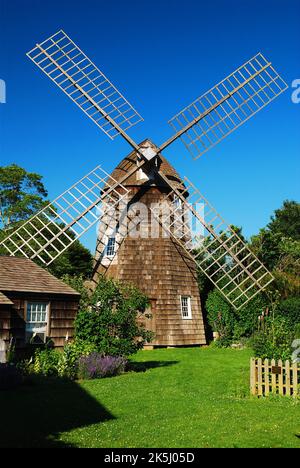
(161, 54)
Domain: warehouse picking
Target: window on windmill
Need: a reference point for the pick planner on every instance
(177, 202)
(186, 309)
(36, 322)
(140, 175)
(111, 247)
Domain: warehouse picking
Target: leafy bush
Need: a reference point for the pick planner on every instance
(297, 331)
(289, 309)
(274, 340)
(234, 326)
(46, 362)
(80, 285)
(247, 317)
(68, 360)
(96, 366)
(221, 317)
(112, 320)
(54, 363)
(10, 377)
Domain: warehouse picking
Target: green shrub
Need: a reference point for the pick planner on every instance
(221, 317)
(54, 363)
(289, 309)
(297, 331)
(234, 326)
(46, 361)
(274, 340)
(111, 321)
(79, 284)
(247, 317)
(68, 361)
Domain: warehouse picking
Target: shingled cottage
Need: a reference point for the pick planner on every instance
(34, 305)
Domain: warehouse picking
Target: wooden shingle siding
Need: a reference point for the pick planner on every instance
(61, 322)
(5, 319)
(21, 282)
(158, 266)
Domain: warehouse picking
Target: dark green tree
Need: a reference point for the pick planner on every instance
(22, 193)
(284, 224)
(76, 260)
(278, 246)
(286, 220)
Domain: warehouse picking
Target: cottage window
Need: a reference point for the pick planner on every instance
(111, 247)
(36, 320)
(186, 309)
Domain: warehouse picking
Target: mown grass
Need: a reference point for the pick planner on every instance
(197, 397)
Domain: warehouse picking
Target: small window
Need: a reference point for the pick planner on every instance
(186, 309)
(111, 247)
(140, 175)
(177, 202)
(36, 320)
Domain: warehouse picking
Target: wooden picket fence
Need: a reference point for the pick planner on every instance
(269, 376)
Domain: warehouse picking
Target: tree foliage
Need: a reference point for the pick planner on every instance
(111, 317)
(76, 260)
(274, 339)
(22, 193)
(278, 246)
(286, 220)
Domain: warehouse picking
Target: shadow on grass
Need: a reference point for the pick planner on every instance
(34, 415)
(144, 366)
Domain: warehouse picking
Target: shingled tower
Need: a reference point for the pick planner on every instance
(148, 258)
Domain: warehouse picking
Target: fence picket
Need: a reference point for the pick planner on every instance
(287, 378)
(268, 376)
(253, 376)
(280, 378)
(295, 380)
(259, 377)
(274, 383)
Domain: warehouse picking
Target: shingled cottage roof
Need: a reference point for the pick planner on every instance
(4, 300)
(23, 275)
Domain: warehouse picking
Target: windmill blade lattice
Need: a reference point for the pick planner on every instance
(51, 231)
(111, 232)
(216, 249)
(228, 105)
(79, 78)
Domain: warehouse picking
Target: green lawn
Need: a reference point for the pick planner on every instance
(197, 397)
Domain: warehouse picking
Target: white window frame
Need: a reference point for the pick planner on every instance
(186, 309)
(141, 175)
(177, 201)
(111, 249)
(35, 324)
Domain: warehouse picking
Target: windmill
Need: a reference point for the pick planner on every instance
(165, 264)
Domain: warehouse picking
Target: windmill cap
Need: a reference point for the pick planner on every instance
(162, 164)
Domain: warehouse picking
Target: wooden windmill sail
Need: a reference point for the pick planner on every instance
(171, 258)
